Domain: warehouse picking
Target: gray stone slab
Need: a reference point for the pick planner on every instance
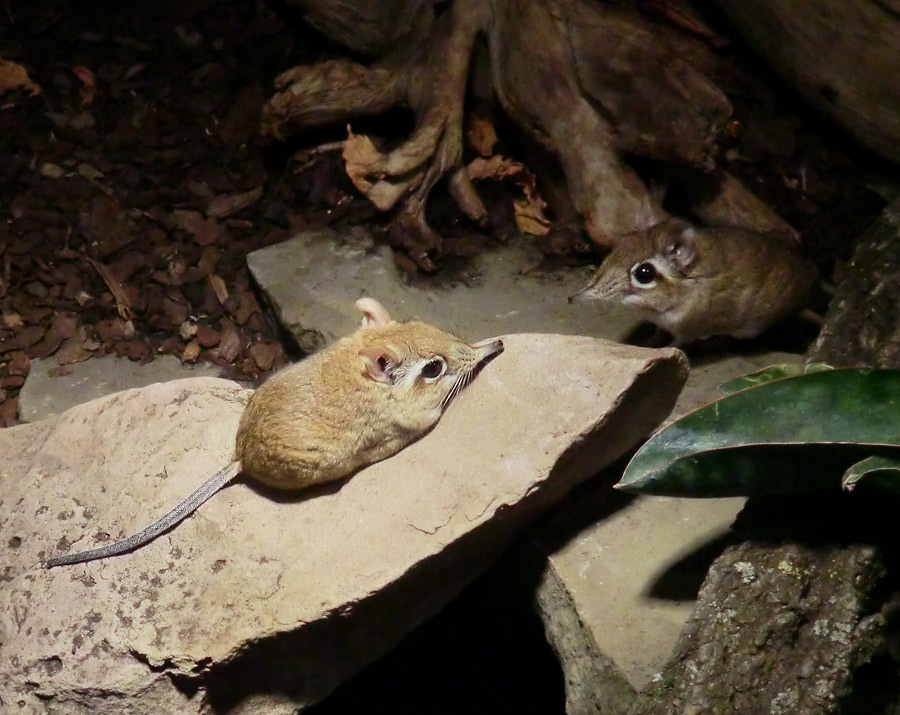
(263, 603)
(311, 279)
(43, 394)
(601, 614)
(617, 586)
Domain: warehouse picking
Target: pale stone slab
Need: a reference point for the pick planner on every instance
(310, 279)
(621, 572)
(43, 394)
(264, 605)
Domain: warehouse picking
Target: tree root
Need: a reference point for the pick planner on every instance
(591, 82)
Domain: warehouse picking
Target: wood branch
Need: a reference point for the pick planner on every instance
(369, 27)
(733, 204)
(562, 69)
(331, 92)
(801, 41)
(653, 82)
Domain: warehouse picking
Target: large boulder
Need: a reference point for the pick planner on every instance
(263, 602)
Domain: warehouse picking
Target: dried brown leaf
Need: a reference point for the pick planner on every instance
(528, 211)
(217, 283)
(264, 354)
(138, 350)
(88, 85)
(360, 157)
(9, 409)
(33, 314)
(170, 346)
(209, 260)
(72, 285)
(11, 320)
(207, 337)
(176, 307)
(191, 351)
(107, 224)
(297, 223)
(530, 218)
(14, 76)
(205, 231)
(229, 344)
(187, 330)
(19, 364)
(232, 304)
(109, 330)
(78, 348)
(481, 135)
(405, 263)
(247, 308)
(48, 345)
(52, 171)
(89, 172)
(229, 204)
(123, 303)
(495, 167)
(64, 324)
(24, 338)
(467, 246)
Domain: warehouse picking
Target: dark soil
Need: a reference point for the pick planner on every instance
(130, 207)
(136, 182)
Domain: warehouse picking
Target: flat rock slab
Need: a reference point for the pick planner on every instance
(621, 573)
(263, 605)
(46, 393)
(311, 279)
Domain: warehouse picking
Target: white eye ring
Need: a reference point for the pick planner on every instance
(433, 369)
(644, 275)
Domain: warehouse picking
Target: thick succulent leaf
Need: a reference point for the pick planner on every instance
(791, 434)
(772, 372)
(882, 471)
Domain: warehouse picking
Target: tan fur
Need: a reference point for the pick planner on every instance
(738, 282)
(324, 418)
(357, 402)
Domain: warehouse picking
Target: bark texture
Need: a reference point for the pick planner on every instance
(862, 328)
(803, 41)
(588, 81)
(786, 622)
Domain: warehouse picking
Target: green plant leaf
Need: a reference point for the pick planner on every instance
(882, 471)
(791, 434)
(772, 372)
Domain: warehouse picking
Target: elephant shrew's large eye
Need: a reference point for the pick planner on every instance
(433, 368)
(644, 273)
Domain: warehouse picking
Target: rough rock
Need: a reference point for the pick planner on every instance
(44, 394)
(789, 620)
(265, 603)
(862, 327)
(618, 575)
(311, 279)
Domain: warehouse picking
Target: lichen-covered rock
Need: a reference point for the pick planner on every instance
(264, 602)
(785, 620)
